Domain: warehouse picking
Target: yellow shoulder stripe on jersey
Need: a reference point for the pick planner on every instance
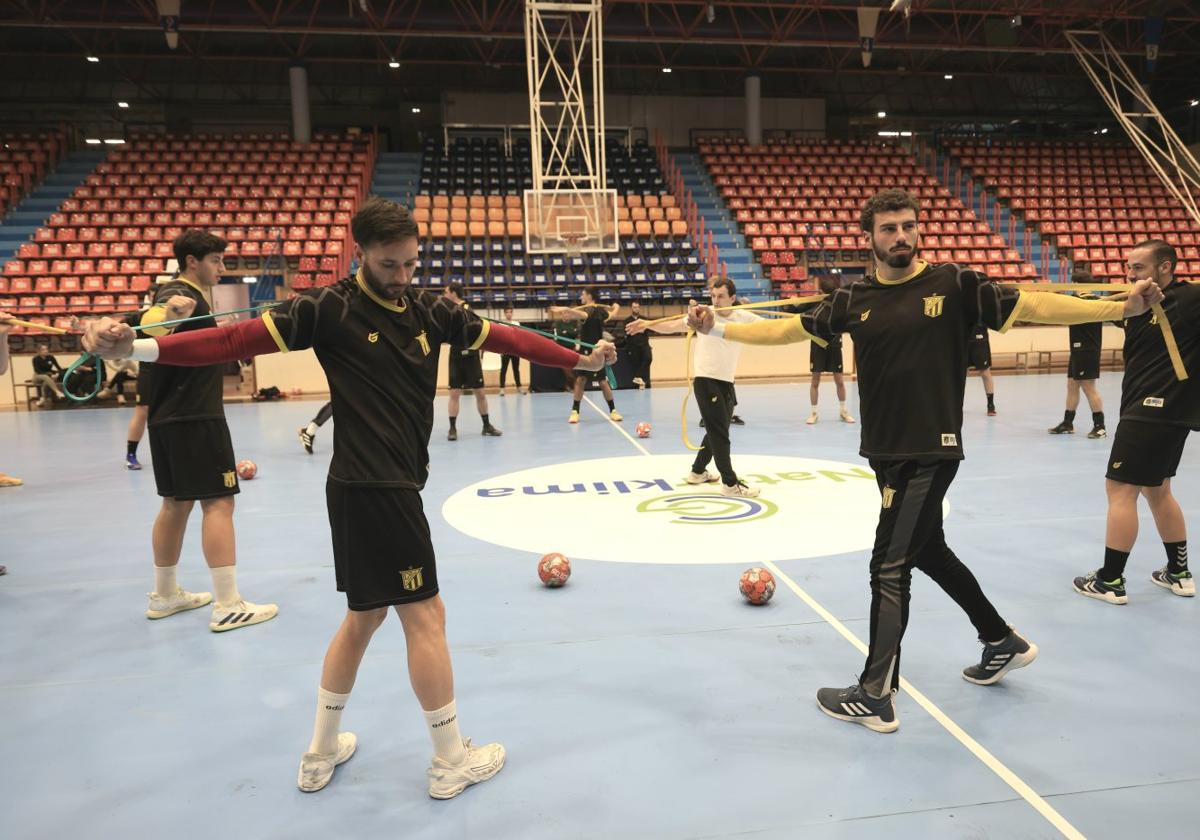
(483, 334)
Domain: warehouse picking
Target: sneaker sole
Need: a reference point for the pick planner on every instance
(259, 618)
(450, 793)
(154, 615)
(1173, 589)
(885, 728)
(337, 762)
(700, 482)
(1106, 597)
(1018, 661)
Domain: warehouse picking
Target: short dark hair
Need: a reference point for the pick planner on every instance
(591, 290)
(724, 283)
(1163, 251)
(454, 286)
(42, 344)
(1081, 274)
(381, 221)
(886, 201)
(198, 244)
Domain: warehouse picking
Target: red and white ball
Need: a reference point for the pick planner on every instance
(247, 469)
(643, 429)
(757, 585)
(554, 569)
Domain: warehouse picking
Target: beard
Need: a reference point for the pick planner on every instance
(385, 292)
(895, 260)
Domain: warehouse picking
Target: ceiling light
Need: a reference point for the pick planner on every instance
(394, 64)
(114, 141)
(93, 141)
(906, 134)
(249, 278)
(666, 69)
(948, 76)
(889, 134)
(92, 59)
(122, 104)
(881, 114)
(1104, 131)
(1194, 102)
(416, 110)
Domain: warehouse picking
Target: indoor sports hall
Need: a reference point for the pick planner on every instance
(630, 373)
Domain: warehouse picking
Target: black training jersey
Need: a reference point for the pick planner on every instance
(642, 339)
(1150, 390)
(381, 360)
(461, 354)
(592, 328)
(1086, 338)
(180, 394)
(910, 348)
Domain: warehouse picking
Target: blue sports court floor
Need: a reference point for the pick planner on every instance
(644, 699)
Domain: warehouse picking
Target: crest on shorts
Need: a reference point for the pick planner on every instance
(423, 340)
(372, 337)
(866, 314)
(933, 305)
(230, 478)
(412, 579)
(889, 496)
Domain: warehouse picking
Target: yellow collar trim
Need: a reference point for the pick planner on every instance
(362, 284)
(183, 279)
(918, 267)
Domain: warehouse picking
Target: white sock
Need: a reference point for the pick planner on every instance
(443, 728)
(224, 580)
(165, 583)
(329, 718)
(312, 428)
(842, 403)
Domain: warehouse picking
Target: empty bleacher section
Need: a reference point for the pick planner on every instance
(270, 198)
(1092, 200)
(470, 212)
(798, 205)
(25, 160)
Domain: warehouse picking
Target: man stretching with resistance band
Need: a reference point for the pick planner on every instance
(377, 339)
(911, 323)
(593, 315)
(716, 365)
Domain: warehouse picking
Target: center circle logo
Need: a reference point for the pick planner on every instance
(639, 509)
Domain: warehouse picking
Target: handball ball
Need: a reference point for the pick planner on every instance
(247, 469)
(643, 429)
(554, 569)
(757, 586)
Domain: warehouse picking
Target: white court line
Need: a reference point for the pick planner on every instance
(616, 426)
(978, 750)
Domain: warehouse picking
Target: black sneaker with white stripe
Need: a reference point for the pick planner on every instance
(1015, 651)
(856, 706)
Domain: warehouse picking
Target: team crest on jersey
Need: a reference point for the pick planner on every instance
(1153, 402)
(949, 440)
(933, 305)
(230, 478)
(412, 579)
(423, 340)
(1154, 320)
(1117, 465)
(372, 337)
(865, 315)
(889, 496)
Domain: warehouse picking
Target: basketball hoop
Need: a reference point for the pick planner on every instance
(572, 243)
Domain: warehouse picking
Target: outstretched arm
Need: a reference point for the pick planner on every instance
(499, 338)
(565, 313)
(1054, 308)
(776, 331)
(675, 326)
(115, 340)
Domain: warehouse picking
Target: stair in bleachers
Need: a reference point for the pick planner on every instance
(20, 225)
(397, 176)
(743, 269)
(1013, 230)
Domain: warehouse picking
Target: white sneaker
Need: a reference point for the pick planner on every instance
(638, 381)
(700, 478)
(740, 489)
(241, 614)
(316, 769)
(1182, 584)
(41, 403)
(162, 606)
(447, 781)
(846, 416)
(812, 419)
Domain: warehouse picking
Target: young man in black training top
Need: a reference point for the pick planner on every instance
(911, 323)
(466, 372)
(637, 345)
(378, 340)
(592, 314)
(1157, 412)
(1083, 369)
(509, 360)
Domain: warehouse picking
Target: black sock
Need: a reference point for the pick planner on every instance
(575, 405)
(1069, 417)
(1097, 418)
(453, 422)
(131, 447)
(612, 406)
(486, 422)
(1114, 564)
(991, 401)
(1176, 556)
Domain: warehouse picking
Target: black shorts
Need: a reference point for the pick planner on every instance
(825, 359)
(193, 459)
(1145, 454)
(1084, 365)
(466, 372)
(143, 385)
(591, 375)
(382, 549)
(979, 355)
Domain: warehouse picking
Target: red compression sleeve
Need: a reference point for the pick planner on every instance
(531, 346)
(197, 348)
